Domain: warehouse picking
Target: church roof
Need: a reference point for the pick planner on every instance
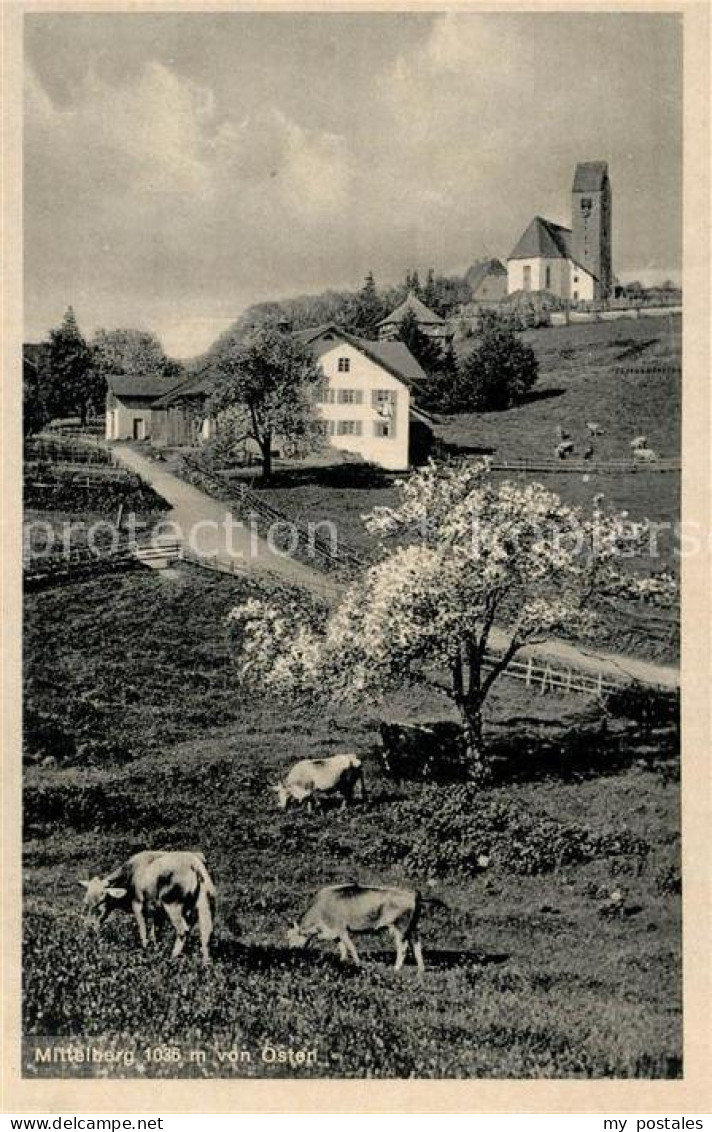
(422, 313)
(543, 240)
(590, 176)
(482, 269)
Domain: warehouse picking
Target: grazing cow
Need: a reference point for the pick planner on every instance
(645, 455)
(343, 908)
(638, 443)
(564, 449)
(594, 429)
(588, 452)
(175, 882)
(308, 779)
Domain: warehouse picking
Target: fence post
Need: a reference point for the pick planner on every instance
(530, 665)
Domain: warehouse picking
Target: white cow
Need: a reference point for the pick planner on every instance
(594, 429)
(175, 881)
(638, 443)
(308, 779)
(343, 908)
(645, 455)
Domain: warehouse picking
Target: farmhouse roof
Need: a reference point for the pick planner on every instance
(543, 239)
(482, 269)
(590, 176)
(139, 385)
(394, 357)
(412, 304)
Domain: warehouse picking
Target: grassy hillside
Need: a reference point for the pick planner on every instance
(580, 382)
(526, 977)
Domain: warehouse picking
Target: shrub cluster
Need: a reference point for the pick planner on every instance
(456, 829)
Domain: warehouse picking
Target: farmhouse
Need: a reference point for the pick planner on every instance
(129, 400)
(571, 263)
(429, 322)
(488, 281)
(366, 400)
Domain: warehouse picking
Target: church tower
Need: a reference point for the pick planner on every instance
(591, 224)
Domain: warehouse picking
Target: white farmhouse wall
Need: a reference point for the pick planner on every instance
(368, 379)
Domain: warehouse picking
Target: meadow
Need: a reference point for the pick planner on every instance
(527, 975)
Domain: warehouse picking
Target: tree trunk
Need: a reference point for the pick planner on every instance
(266, 447)
(479, 770)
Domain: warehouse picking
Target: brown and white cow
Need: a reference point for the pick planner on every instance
(176, 882)
(308, 779)
(343, 908)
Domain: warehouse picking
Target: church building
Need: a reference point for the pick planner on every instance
(571, 263)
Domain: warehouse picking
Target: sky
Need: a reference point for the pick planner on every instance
(180, 166)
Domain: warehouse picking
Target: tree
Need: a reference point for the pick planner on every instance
(490, 568)
(424, 349)
(439, 391)
(430, 293)
(130, 351)
(35, 389)
(498, 372)
(75, 385)
(369, 308)
(265, 386)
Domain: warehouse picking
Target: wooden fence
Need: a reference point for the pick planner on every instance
(549, 677)
(583, 467)
(337, 555)
(659, 368)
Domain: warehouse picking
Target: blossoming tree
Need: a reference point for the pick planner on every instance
(481, 570)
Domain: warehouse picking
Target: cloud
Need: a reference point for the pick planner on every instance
(150, 137)
(191, 184)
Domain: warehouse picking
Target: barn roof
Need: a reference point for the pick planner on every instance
(139, 385)
(543, 240)
(415, 305)
(590, 176)
(193, 386)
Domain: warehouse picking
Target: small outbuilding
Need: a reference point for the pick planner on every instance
(129, 398)
(428, 322)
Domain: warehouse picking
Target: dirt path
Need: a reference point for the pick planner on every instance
(208, 527)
